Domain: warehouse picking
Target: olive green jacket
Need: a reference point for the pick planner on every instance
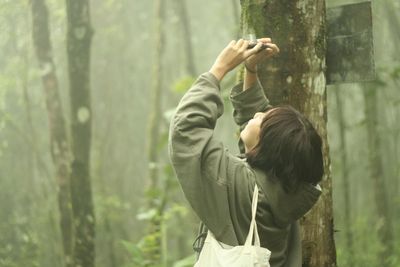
(219, 185)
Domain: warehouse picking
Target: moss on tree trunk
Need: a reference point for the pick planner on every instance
(297, 77)
(79, 36)
(59, 145)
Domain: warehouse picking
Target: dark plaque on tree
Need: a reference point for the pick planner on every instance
(350, 50)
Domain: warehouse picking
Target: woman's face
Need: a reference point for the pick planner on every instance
(250, 135)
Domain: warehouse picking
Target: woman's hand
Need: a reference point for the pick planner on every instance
(232, 55)
(252, 61)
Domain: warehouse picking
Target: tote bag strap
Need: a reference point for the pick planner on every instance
(253, 231)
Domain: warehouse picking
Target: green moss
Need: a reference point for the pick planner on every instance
(320, 43)
(252, 18)
(288, 26)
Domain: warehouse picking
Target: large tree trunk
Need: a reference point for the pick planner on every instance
(296, 77)
(345, 176)
(79, 38)
(385, 231)
(59, 146)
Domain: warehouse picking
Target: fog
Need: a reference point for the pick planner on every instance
(125, 65)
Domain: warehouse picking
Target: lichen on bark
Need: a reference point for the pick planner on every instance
(296, 77)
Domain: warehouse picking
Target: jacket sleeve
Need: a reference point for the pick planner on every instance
(206, 171)
(246, 104)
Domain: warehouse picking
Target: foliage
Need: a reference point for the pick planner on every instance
(20, 246)
(157, 219)
(367, 246)
(186, 262)
(150, 242)
(121, 77)
(183, 84)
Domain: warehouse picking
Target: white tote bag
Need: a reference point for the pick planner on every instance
(217, 254)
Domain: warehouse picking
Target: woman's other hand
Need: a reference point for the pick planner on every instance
(232, 55)
(271, 50)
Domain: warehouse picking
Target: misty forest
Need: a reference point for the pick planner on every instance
(87, 92)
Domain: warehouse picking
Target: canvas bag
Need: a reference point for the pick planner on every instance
(218, 254)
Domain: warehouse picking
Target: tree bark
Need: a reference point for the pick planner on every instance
(79, 36)
(98, 171)
(385, 230)
(59, 146)
(152, 244)
(190, 66)
(393, 22)
(156, 96)
(393, 19)
(235, 11)
(345, 176)
(297, 77)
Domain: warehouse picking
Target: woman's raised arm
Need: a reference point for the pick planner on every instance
(248, 97)
(211, 178)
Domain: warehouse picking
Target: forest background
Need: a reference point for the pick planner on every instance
(129, 54)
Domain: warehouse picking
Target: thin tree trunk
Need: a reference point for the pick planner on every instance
(97, 172)
(152, 248)
(296, 77)
(57, 255)
(393, 22)
(190, 66)
(385, 231)
(29, 128)
(393, 19)
(235, 13)
(345, 176)
(79, 36)
(190, 69)
(156, 96)
(59, 146)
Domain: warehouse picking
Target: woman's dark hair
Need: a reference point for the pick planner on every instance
(289, 149)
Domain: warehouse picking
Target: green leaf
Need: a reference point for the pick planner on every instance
(135, 252)
(183, 84)
(147, 215)
(188, 261)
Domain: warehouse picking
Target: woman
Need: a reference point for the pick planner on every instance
(282, 155)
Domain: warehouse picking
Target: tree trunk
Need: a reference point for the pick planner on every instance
(235, 11)
(79, 36)
(393, 19)
(98, 171)
(393, 22)
(296, 77)
(345, 176)
(152, 243)
(190, 67)
(385, 231)
(59, 146)
(156, 96)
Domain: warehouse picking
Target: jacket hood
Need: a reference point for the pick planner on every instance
(287, 207)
